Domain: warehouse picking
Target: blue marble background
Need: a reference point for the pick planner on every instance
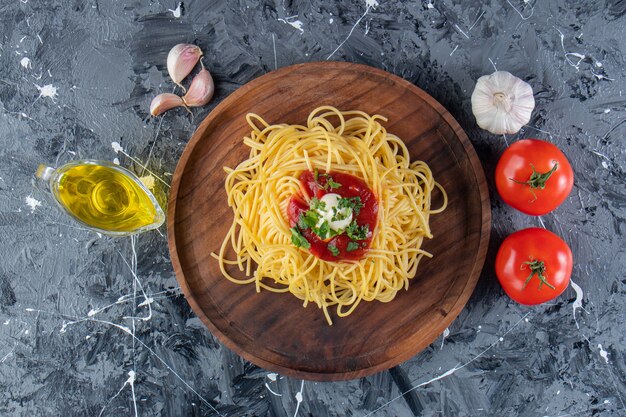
(94, 326)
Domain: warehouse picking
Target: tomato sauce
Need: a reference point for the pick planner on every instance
(351, 186)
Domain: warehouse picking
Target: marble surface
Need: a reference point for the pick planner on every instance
(95, 326)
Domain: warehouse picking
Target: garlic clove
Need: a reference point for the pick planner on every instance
(181, 59)
(201, 89)
(502, 103)
(164, 102)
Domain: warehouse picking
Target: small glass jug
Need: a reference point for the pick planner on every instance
(103, 196)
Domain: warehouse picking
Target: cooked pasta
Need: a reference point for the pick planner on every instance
(339, 268)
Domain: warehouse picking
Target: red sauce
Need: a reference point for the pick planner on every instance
(351, 186)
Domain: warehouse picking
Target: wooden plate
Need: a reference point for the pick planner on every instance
(273, 330)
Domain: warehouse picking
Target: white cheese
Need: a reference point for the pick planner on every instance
(331, 205)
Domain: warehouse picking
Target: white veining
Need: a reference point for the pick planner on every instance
(493, 64)
(600, 76)
(25, 62)
(272, 377)
(449, 371)
(146, 302)
(567, 54)
(4, 358)
(156, 136)
(32, 203)
(272, 391)
(47, 90)
(532, 10)
(293, 23)
(476, 21)
(541, 222)
(129, 297)
(177, 12)
(133, 270)
(130, 381)
(274, 45)
(578, 302)
(299, 398)
(446, 333)
(539, 130)
(603, 353)
(117, 148)
(369, 5)
(76, 320)
(461, 30)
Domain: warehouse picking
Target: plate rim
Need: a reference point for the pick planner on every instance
(474, 274)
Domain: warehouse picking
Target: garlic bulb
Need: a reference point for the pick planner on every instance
(502, 103)
(181, 59)
(201, 89)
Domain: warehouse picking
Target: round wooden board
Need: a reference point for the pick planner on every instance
(273, 330)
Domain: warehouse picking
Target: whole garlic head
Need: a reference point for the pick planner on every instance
(502, 103)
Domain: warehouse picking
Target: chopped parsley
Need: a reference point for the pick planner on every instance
(323, 230)
(317, 204)
(299, 240)
(352, 246)
(353, 203)
(356, 232)
(339, 215)
(317, 219)
(329, 184)
(308, 219)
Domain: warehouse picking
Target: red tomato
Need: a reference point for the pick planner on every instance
(534, 266)
(534, 176)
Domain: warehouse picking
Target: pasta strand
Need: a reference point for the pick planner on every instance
(260, 187)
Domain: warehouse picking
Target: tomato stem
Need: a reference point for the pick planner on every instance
(537, 179)
(539, 268)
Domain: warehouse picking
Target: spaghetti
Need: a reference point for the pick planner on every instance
(262, 188)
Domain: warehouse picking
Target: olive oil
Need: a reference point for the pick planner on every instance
(105, 197)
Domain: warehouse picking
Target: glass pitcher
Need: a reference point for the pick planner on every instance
(103, 196)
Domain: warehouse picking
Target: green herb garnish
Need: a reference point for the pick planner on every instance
(299, 240)
(352, 229)
(356, 232)
(353, 203)
(333, 249)
(338, 215)
(308, 219)
(330, 183)
(352, 246)
(317, 204)
(323, 230)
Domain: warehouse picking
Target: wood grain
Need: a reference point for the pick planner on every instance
(273, 330)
